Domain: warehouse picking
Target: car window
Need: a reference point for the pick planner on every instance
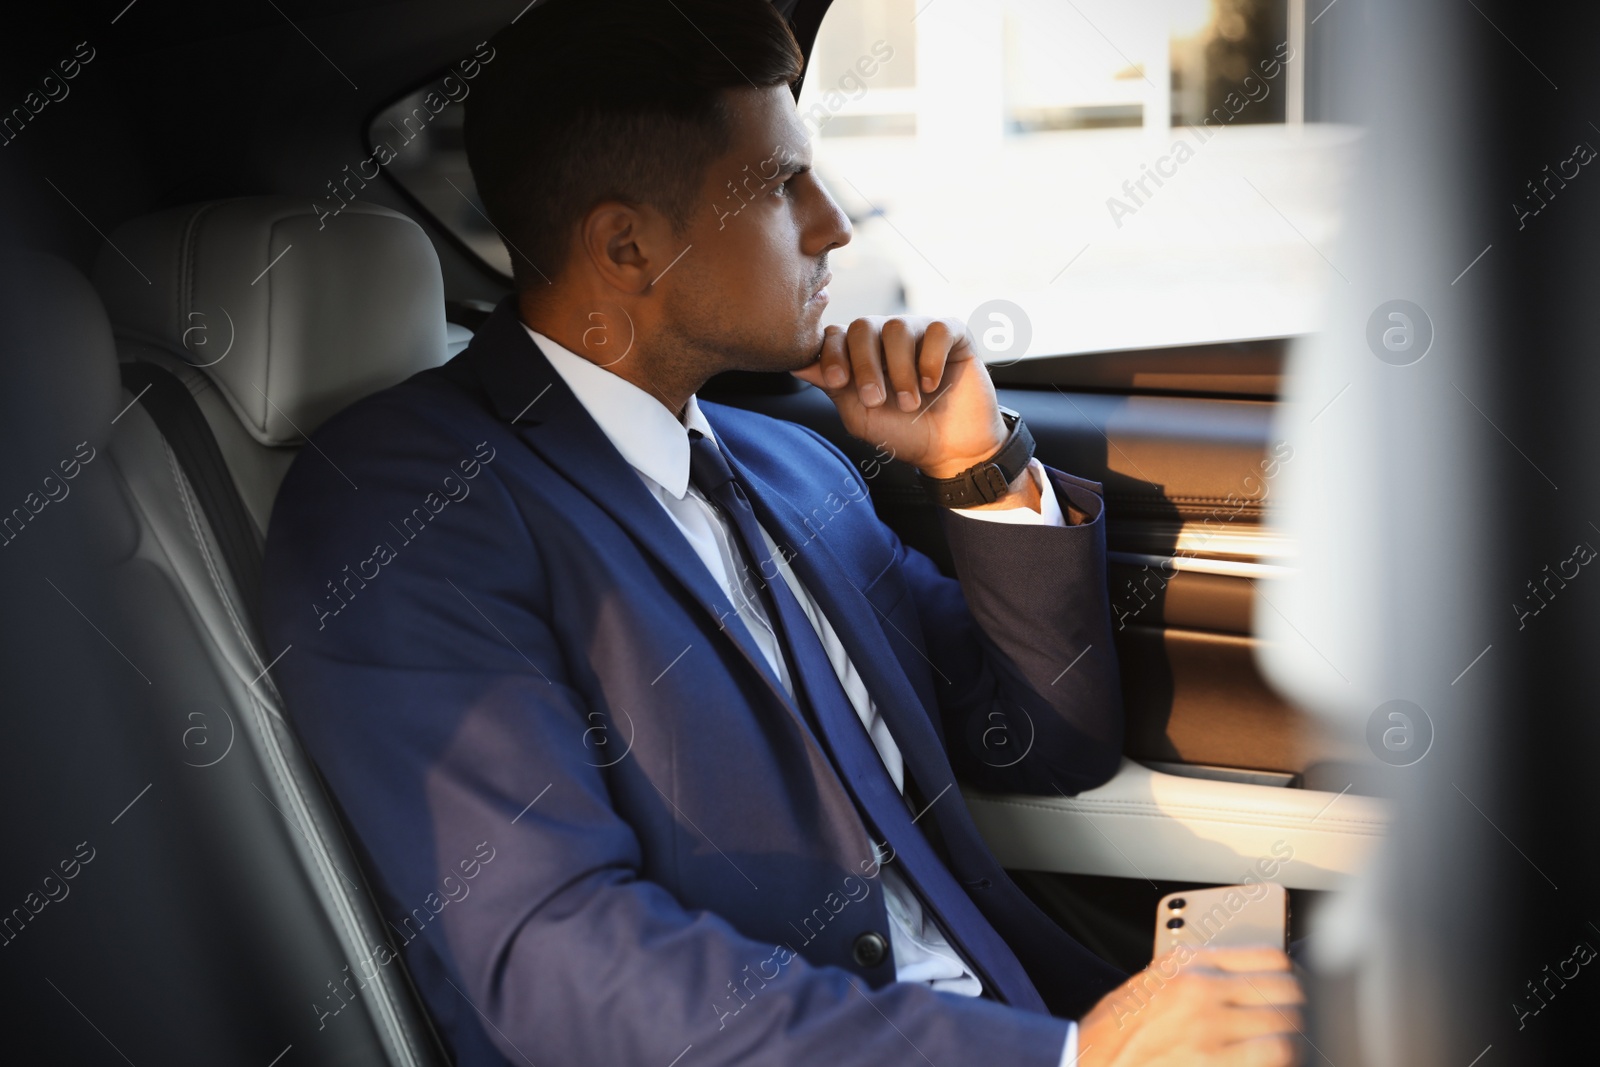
(420, 134)
(1078, 177)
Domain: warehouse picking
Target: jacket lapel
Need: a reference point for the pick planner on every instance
(525, 390)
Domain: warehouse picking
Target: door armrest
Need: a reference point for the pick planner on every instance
(1148, 825)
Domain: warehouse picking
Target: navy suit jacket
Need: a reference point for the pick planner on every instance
(595, 822)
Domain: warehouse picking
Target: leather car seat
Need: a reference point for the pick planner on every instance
(235, 894)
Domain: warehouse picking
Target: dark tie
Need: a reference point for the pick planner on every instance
(817, 689)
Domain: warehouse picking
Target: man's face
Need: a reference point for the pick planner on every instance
(746, 294)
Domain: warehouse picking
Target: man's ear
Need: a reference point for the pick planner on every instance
(616, 239)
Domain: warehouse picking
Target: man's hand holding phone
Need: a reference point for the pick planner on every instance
(1238, 1007)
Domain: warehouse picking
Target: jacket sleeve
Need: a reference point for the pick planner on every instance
(440, 707)
(1031, 622)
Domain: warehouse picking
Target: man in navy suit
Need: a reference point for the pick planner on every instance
(647, 727)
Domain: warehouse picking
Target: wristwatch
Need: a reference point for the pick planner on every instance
(986, 482)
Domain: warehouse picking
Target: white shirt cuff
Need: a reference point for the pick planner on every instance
(1049, 513)
(1069, 1051)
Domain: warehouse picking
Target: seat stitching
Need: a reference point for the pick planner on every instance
(184, 290)
(205, 554)
(355, 931)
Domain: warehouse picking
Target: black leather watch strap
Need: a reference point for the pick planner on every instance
(986, 482)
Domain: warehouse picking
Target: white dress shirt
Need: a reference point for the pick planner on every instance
(656, 445)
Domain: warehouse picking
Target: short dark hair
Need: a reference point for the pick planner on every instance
(595, 100)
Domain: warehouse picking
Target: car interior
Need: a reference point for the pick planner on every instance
(188, 310)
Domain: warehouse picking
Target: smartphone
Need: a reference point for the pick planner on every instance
(1228, 916)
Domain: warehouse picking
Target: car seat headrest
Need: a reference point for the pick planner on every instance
(293, 315)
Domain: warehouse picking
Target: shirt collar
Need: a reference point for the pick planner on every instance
(636, 422)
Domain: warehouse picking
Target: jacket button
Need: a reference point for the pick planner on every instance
(870, 949)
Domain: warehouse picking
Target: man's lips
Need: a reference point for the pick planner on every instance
(822, 290)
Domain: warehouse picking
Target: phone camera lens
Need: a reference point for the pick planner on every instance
(1176, 904)
(1174, 924)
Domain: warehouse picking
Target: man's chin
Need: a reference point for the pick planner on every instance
(802, 354)
(810, 348)
(802, 361)
(795, 346)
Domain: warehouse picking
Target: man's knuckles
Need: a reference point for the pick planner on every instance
(896, 329)
(1243, 959)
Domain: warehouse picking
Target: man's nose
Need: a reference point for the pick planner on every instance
(832, 229)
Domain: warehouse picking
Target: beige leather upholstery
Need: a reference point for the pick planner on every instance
(1145, 824)
(274, 320)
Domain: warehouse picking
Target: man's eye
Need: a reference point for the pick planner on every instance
(784, 189)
